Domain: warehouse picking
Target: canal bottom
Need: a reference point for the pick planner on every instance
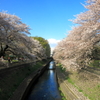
(46, 87)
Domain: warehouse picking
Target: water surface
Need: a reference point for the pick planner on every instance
(47, 87)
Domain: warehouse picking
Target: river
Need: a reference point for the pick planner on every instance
(46, 87)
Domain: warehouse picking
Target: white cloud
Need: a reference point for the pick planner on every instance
(53, 43)
(52, 49)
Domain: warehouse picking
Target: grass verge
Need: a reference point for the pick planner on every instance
(62, 95)
(95, 63)
(12, 80)
(84, 82)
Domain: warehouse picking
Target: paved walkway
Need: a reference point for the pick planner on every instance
(5, 65)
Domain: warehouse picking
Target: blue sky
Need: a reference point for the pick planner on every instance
(46, 18)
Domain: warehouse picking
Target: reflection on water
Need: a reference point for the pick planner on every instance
(51, 72)
(51, 66)
(46, 87)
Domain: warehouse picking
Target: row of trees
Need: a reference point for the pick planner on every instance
(45, 44)
(76, 50)
(14, 39)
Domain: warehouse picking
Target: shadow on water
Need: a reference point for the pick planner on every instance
(46, 87)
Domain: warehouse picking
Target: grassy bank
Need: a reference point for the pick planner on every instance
(62, 95)
(11, 81)
(95, 63)
(85, 82)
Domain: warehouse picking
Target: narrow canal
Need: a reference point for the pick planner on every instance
(46, 87)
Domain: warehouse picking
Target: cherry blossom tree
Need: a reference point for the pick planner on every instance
(11, 30)
(75, 51)
(14, 39)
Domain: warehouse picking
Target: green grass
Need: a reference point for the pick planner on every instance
(80, 90)
(62, 95)
(95, 63)
(82, 81)
(98, 86)
(15, 61)
(88, 88)
(61, 67)
(70, 81)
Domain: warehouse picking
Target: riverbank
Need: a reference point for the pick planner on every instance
(84, 83)
(11, 79)
(70, 92)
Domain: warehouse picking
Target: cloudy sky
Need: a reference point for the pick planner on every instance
(53, 43)
(46, 18)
